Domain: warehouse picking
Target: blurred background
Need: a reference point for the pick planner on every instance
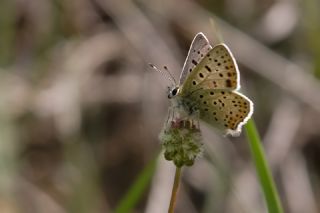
(81, 110)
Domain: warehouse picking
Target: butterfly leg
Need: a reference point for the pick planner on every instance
(170, 116)
(173, 118)
(193, 111)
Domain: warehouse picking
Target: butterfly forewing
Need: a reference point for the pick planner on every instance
(199, 48)
(217, 70)
(225, 110)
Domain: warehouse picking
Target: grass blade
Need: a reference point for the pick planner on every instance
(138, 188)
(262, 168)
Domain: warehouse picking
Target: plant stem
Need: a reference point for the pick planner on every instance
(137, 189)
(175, 189)
(262, 167)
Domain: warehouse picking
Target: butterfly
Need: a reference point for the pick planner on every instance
(208, 88)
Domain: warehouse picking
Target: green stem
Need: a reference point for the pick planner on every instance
(175, 189)
(262, 168)
(137, 189)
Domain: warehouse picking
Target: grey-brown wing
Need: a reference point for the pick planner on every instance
(199, 48)
(217, 70)
(225, 110)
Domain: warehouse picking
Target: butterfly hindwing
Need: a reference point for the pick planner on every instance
(217, 70)
(200, 46)
(225, 110)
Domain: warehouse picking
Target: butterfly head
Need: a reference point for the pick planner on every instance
(173, 91)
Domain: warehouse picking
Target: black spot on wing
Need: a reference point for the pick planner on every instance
(228, 83)
(194, 62)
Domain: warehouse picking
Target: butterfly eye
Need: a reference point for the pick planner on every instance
(173, 92)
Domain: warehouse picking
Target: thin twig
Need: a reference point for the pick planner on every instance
(175, 189)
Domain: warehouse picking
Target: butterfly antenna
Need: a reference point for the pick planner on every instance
(170, 74)
(166, 74)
